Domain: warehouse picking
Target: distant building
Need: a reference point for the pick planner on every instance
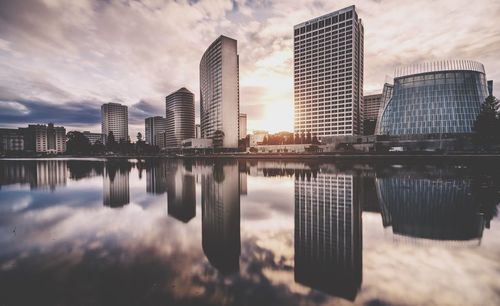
(11, 140)
(41, 138)
(179, 117)
(197, 143)
(441, 97)
(371, 108)
(94, 137)
(257, 137)
(243, 126)
(328, 74)
(56, 139)
(154, 126)
(198, 131)
(219, 91)
(114, 118)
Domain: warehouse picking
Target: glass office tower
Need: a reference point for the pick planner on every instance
(435, 97)
(328, 74)
(219, 91)
(179, 117)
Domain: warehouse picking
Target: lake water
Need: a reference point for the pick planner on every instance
(214, 232)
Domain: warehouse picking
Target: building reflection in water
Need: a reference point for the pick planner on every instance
(116, 191)
(41, 174)
(328, 233)
(156, 176)
(220, 200)
(181, 190)
(440, 209)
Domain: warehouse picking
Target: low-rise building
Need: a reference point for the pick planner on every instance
(94, 137)
(197, 143)
(11, 140)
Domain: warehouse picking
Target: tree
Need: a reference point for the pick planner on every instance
(487, 124)
(315, 140)
(111, 142)
(139, 137)
(296, 139)
(77, 143)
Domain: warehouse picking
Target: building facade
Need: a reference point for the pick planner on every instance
(179, 118)
(243, 126)
(434, 98)
(11, 140)
(371, 109)
(114, 118)
(94, 137)
(197, 133)
(219, 91)
(41, 138)
(328, 74)
(154, 126)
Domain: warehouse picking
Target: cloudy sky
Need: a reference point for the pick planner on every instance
(61, 59)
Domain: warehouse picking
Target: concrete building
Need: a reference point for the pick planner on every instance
(11, 140)
(197, 143)
(257, 137)
(114, 118)
(219, 91)
(41, 138)
(56, 139)
(371, 109)
(328, 74)
(94, 137)
(440, 97)
(179, 117)
(197, 133)
(243, 126)
(154, 126)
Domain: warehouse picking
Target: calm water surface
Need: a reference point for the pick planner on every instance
(178, 232)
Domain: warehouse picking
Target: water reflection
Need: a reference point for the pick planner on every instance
(328, 236)
(418, 206)
(116, 191)
(220, 202)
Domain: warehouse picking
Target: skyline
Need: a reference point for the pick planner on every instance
(92, 54)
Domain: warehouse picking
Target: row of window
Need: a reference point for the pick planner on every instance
(326, 22)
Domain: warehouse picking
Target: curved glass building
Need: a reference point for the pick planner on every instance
(179, 117)
(219, 91)
(434, 97)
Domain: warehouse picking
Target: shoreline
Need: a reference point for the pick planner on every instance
(271, 156)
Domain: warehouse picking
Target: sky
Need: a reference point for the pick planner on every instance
(61, 59)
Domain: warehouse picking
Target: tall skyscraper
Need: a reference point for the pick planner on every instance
(154, 126)
(328, 74)
(179, 117)
(219, 91)
(328, 233)
(243, 126)
(114, 118)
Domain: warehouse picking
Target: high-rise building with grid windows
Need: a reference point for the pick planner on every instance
(219, 91)
(114, 118)
(328, 74)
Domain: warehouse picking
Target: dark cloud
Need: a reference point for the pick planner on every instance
(143, 109)
(75, 113)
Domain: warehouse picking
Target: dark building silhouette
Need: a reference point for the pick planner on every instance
(220, 201)
(116, 191)
(181, 190)
(437, 209)
(328, 234)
